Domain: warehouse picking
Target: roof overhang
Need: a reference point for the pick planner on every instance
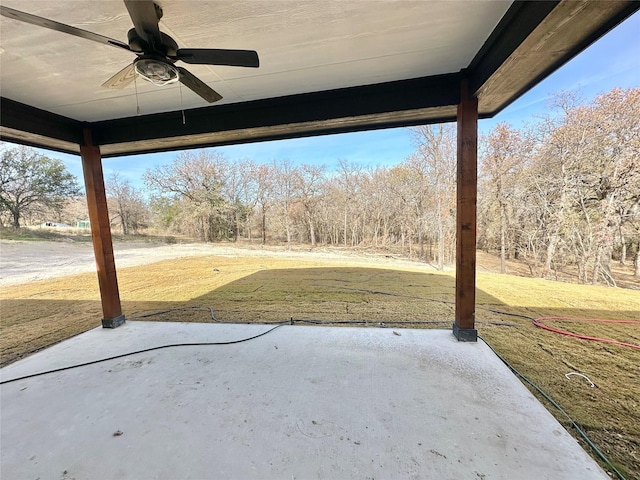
(529, 42)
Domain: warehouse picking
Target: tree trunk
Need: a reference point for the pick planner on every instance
(385, 232)
(596, 266)
(581, 270)
(345, 226)
(605, 259)
(440, 244)
(210, 228)
(503, 240)
(420, 239)
(16, 218)
(636, 272)
(551, 250)
(287, 229)
(623, 246)
(264, 226)
(312, 230)
(201, 230)
(237, 232)
(123, 222)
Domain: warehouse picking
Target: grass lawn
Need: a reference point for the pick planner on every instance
(263, 289)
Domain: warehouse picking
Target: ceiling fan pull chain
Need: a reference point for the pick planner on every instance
(184, 120)
(135, 85)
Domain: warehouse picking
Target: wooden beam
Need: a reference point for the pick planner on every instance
(533, 40)
(101, 232)
(26, 125)
(467, 191)
(383, 105)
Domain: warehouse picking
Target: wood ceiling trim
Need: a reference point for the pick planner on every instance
(22, 137)
(499, 77)
(520, 20)
(38, 127)
(284, 131)
(310, 108)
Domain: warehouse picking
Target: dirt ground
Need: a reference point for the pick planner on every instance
(26, 261)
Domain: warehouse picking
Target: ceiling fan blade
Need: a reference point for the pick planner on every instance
(213, 56)
(198, 86)
(145, 15)
(59, 27)
(121, 79)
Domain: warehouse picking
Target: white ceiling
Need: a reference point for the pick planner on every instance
(304, 46)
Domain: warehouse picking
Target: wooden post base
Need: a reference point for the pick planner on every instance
(113, 322)
(465, 334)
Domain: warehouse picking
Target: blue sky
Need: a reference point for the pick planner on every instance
(613, 61)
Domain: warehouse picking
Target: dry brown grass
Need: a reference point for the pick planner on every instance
(256, 289)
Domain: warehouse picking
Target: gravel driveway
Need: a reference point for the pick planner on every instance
(22, 262)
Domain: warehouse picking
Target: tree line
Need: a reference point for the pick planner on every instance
(563, 191)
(566, 190)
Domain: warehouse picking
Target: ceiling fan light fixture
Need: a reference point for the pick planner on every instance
(157, 71)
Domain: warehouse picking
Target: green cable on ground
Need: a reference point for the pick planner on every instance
(553, 402)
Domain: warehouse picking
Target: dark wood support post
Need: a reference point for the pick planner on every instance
(467, 191)
(101, 232)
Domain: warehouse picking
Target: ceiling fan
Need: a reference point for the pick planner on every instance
(156, 52)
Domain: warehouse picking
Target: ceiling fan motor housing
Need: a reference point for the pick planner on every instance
(168, 48)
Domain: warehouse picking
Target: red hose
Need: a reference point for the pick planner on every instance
(538, 323)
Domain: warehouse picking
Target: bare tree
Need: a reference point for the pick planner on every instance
(194, 182)
(286, 187)
(127, 205)
(504, 157)
(264, 177)
(613, 171)
(311, 180)
(435, 165)
(347, 182)
(575, 201)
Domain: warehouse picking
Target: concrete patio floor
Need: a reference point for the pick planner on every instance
(299, 402)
